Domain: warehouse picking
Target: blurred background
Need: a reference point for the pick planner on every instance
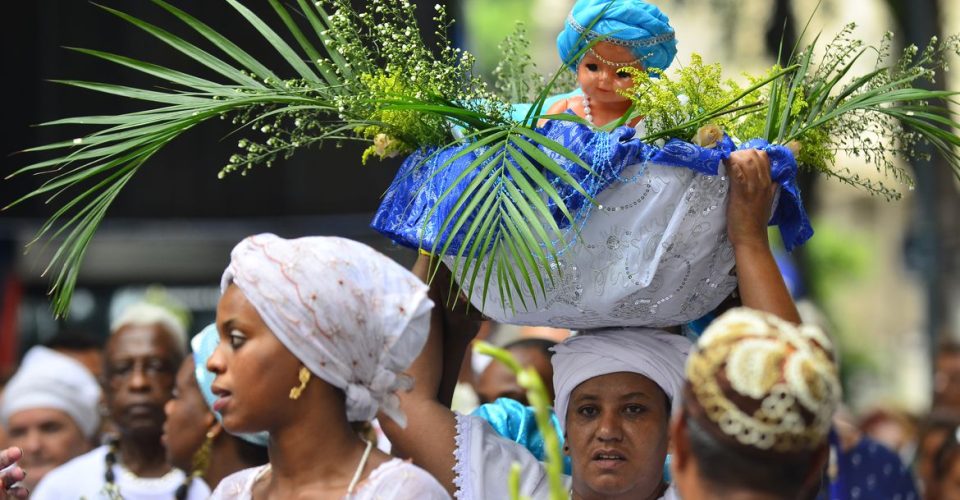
(882, 277)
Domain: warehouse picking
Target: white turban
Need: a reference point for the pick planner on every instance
(48, 379)
(655, 354)
(352, 316)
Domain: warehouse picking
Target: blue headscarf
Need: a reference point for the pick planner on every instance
(631, 23)
(203, 345)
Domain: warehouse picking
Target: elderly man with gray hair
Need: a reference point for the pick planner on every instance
(145, 348)
(49, 410)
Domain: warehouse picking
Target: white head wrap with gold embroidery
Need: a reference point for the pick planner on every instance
(655, 354)
(764, 382)
(352, 316)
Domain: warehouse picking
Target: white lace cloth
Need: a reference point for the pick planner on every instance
(655, 253)
(392, 480)
(484, 459)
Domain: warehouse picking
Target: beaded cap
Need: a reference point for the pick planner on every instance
(765, 383)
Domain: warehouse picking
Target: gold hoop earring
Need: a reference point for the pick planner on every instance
(304, 378)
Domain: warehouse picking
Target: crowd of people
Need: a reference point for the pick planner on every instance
(316, 335)
(331, 371)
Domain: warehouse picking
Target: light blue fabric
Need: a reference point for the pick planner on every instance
(519, 111)
(632, 21)
(203, 344)
(518, 423)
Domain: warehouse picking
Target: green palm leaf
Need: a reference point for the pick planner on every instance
(98, 165)
(503, 212)
(513, 230)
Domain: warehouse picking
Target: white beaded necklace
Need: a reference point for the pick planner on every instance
(587, 112)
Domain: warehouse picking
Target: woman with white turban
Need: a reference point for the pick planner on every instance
(314, 333)
(614, 393)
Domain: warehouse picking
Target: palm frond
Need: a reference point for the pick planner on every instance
(99, 164)
(502, 214)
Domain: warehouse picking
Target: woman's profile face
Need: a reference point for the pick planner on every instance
(617, 436)
(254, 370)
(188, 418)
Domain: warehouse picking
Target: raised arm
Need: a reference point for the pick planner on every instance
(752, 191)
(430, 436)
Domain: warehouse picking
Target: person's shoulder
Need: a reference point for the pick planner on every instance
(73, 474)
(559, 106)
(82, 464)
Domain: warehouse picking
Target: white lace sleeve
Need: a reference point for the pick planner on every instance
(483, 461)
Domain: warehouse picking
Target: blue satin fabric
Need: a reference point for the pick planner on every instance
(407, 214)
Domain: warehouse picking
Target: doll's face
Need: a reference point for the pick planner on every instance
(601, 80)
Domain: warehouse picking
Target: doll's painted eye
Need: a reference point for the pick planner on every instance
(591, 66)
(623, 74)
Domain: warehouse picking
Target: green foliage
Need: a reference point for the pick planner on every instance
(369, 76)
(516, 74)
(352, 75)
(688, 99)
(487, 22)
(409, 128)
(517, 78)
(818, 108)
(379, 87)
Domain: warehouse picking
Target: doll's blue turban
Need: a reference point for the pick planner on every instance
(637, 25)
